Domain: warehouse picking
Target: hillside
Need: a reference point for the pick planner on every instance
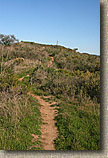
(67, 82)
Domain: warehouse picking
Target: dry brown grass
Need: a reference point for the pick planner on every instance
(26, 65)
(13, 106)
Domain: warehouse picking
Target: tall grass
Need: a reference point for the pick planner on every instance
(19, 118)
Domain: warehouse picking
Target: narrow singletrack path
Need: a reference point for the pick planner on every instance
(48, 129)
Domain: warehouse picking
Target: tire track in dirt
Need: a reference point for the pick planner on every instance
(48, 129)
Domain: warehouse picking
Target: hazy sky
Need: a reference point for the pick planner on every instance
(74, 23)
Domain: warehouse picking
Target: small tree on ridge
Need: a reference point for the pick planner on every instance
(7, 40)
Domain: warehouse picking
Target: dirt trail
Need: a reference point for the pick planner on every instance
(52, 59)
(48, 129)
(20, 79)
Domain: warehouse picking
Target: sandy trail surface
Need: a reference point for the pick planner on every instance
(48, 129)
